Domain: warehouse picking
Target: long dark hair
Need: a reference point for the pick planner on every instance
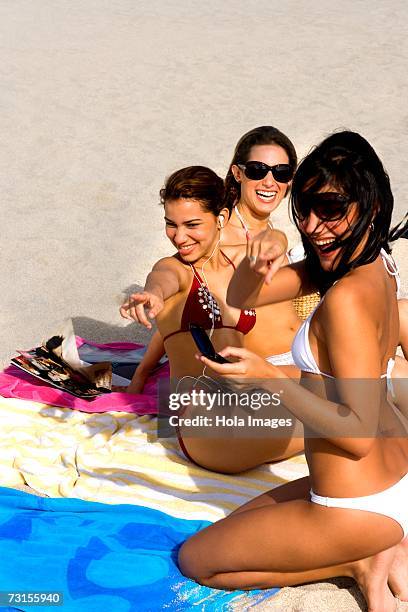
(264, 135)
(349, 164)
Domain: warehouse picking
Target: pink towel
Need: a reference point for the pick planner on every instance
(19, 384)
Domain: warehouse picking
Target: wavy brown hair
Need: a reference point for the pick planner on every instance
(195, 183)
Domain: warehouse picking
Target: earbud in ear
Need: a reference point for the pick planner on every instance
(221, 221)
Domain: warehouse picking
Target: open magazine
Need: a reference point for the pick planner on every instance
(47, 363)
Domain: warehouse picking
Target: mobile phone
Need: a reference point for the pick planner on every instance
(204, 344)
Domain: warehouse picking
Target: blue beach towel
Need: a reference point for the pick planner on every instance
(104, 558)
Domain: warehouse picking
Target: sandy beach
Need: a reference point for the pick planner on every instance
(101, 100)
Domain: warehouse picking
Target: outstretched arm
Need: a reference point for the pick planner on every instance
(162, 282)
(248, 288)
(260, 278)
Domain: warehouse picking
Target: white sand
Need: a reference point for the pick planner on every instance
(101, 99)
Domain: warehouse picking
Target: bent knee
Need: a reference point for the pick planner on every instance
(189, 563)
(184, 560)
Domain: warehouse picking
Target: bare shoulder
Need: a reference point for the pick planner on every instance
(351, 300)
(166, 263)
(349, 322)
(172, 266)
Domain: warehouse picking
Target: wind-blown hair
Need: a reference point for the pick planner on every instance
(400, 230)
(347, 163)
(195, 183)
(264, 135)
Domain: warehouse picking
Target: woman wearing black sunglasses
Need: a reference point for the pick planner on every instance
(257, 180)
(349, 517)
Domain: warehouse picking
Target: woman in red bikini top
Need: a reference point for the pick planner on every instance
(257, 181)
(190, 286)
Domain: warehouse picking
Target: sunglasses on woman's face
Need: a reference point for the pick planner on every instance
(256, 171)
(328, 206)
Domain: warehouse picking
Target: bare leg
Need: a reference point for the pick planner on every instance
(296, 489)
(370, 574)
(235, 455)
(289, 543)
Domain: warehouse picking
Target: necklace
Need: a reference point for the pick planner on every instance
(207, 301)
(244, 225)
(205, 297)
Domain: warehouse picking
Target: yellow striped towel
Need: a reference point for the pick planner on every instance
(115, 458)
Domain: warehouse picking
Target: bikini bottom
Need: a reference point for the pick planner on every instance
(281, 359)
(391, 502)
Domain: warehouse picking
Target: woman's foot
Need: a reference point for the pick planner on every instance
(398, 575)
(371, 576)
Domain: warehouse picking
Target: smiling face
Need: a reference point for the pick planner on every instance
(328, 217)
(262, 196)
(193, 231)
(345, 165)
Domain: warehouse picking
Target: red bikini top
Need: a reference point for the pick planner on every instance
(202, 308)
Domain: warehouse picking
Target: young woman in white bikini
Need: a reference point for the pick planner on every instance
(349, 517)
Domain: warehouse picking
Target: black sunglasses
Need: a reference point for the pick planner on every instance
(256, 170)
(328, 206)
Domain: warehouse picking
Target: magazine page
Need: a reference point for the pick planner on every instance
(46, 363)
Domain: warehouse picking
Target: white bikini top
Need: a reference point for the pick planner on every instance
(301, 351)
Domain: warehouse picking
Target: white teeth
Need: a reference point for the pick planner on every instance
(323, 242)
(266, 194)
